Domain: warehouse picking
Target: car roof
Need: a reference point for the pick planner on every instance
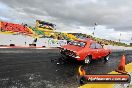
(86, 40)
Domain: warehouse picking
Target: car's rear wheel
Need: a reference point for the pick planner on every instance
(87, 60)
(106, 58)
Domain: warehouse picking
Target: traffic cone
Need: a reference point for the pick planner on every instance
(121, 66)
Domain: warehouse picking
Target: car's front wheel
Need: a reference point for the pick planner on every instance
(106, 58)
(87, 60)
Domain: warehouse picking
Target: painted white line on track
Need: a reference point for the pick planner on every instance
(28, 47)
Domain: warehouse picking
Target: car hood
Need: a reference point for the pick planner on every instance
(72, 48)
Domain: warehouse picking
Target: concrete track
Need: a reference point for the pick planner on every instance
(42, 68)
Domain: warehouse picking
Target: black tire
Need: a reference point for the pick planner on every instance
(88, 60)
(106, 58)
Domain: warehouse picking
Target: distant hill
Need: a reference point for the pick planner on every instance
(102, 41)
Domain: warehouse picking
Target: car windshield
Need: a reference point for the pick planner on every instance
(78, 43)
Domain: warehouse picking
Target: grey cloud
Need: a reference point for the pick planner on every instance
(34, 11)
(111, 13)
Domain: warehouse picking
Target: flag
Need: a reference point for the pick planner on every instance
(44, 24)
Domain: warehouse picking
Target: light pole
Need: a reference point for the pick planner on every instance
(94, 29)
(120, 38)
(130, 39)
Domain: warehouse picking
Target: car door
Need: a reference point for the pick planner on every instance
(93, 50)
(100, 50)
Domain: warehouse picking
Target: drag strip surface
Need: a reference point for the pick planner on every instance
(43, 68)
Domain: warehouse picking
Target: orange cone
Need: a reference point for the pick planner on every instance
(121, 66)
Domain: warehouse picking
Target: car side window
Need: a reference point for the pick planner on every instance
(93, 46)
(98, 46)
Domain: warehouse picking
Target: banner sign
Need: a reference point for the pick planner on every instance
(5, 26)
(56, 43)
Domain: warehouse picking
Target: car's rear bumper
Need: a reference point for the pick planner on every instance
(71, 57)
(67, 53)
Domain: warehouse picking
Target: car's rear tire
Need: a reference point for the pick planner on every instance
(88, 60)
(106, 58)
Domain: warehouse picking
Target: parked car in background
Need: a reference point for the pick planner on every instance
(85, 50)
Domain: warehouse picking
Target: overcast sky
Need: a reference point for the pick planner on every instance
(112, 16)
